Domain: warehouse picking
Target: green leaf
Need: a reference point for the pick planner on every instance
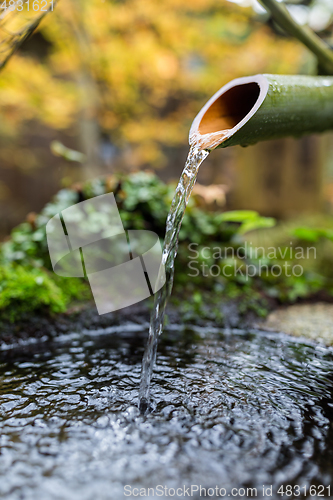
(58, 149)
(239, 215)
(257, 223)
(306, 233)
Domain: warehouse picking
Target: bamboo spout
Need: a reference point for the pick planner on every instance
(261, 107)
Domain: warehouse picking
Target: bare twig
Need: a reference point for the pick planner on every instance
(321, 50)
(15, 39)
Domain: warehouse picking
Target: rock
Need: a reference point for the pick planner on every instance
(313, 321)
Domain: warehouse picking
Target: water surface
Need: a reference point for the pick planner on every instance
(230, 409)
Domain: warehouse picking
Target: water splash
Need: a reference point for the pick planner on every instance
(184, 188)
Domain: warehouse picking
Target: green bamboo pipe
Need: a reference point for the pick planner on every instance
(261, 107)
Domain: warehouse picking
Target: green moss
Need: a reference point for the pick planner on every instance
(26, 289)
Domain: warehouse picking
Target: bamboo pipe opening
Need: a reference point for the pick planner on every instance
(228, 110)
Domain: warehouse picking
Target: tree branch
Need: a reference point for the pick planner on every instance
(15, 40)
(304, 34)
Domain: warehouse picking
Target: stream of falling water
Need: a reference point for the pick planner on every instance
(184, 188)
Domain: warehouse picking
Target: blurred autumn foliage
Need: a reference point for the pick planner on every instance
(131, 75)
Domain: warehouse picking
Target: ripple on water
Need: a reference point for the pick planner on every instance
(239, 409)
